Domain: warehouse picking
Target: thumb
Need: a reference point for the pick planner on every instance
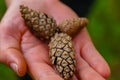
(10, 53)
(60, 11)
(14, 59)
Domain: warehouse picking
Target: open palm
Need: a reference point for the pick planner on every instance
(22, 50)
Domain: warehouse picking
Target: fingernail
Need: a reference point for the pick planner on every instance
(14, 66)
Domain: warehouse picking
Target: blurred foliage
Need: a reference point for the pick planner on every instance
(2, 8)
(6, 73)
(104, 29)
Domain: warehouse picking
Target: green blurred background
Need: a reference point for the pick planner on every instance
(104, 28)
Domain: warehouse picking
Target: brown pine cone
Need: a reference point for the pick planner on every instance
(40, 24)
(73, 26)
(62, 54)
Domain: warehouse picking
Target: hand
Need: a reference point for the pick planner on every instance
(20, 49)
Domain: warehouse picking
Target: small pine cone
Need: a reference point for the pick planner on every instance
(40, 24)
(73, 26)
(62, 55)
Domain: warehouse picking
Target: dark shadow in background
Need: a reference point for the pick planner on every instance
(81, 7)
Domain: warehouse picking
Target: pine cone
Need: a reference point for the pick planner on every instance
(62, 54)
(73, 26)
(40, 24)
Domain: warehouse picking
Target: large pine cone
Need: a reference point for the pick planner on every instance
(62, 54)
(40, 24)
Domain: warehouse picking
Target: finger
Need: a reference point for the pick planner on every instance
(60, 11)
(42, 71)
(85, 72)
(10, 51)
(38, 62)
(74, 78)
(14, 59)
(90, 54)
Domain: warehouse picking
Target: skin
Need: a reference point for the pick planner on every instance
(20, 50)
